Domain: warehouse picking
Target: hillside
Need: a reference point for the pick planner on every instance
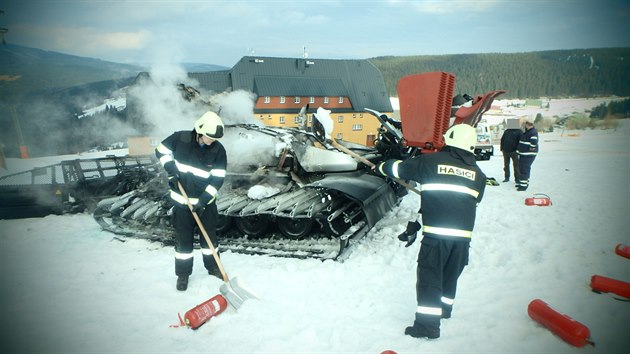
(44, 93)
(560, 73)
(25, 71)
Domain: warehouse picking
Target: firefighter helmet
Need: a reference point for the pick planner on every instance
(461, 136)
(210, 125)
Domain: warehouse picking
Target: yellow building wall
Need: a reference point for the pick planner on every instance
(142, 145)
(358, 128)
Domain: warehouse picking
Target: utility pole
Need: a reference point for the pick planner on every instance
(3, 30)
(16, 122)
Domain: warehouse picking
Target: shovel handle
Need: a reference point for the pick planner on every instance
(370, 164)
(204, 233)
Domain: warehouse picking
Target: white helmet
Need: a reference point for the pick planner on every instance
(461, 136)
(210, 125)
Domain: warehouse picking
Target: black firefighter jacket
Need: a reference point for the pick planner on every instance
(201, 168)
(528, 143)
(452, 185)
(510, 139)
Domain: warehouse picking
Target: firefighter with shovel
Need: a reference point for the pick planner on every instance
(198, 161)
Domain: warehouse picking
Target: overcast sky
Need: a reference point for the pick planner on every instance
(221, 32)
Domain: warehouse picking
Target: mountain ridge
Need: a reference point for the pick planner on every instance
(26, 71)
(553, 73)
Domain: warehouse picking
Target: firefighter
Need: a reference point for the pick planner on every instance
(509, 143)
(527, 150)
(452, 185)
(198, 161)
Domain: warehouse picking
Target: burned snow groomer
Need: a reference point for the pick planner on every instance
(297, 192)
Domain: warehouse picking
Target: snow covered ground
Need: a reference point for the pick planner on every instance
(68, 287)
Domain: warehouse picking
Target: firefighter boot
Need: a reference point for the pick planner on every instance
(215, 272)
(182, 282)
(420, 330)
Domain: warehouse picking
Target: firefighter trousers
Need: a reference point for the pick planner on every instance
(507, 158)
(185, 228)
(440, 263)
(525, 167)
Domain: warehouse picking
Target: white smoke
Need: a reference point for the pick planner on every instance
(235, 107)
(248, 150)
(160, 101)
(162, 104)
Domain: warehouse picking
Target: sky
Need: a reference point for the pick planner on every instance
(222, 32)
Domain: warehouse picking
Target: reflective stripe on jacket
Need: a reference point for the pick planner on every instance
(452, 185)
(528, 144)
(201, 168)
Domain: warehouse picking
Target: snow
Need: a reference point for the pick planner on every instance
(69, 287)
(323, 116)
(262, 191)
(557, 107)
(118, 103)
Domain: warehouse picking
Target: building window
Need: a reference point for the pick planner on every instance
(354, 115)
(282, 99)
(325, 99)
(311, 99)
(340, 136)
(281, 119)
(153, 142)
(268, 116)
(357, 127)
(267, 99)
(340, 119)
(297, 100)
(310, 120)
(296, 120)
(340, 99)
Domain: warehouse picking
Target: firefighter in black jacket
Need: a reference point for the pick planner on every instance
(452, 185)
(527, 150)
(198, 161)
(509, 143)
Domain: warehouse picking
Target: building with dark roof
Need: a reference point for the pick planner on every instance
(284, 85)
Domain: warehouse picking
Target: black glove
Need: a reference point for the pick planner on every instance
(171, 168)
(172, 182)
(199, 207)
(203, 202)
(377, 169)
(410, 234)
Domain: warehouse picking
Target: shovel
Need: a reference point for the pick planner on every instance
(369, 163)
(234, 291)
(322, 134)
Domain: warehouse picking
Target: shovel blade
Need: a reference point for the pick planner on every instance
(236, 292)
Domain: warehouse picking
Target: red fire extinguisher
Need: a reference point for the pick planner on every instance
(570, 330)
(201, 313)
(602, 284)
(539, 200)
(623, 250)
